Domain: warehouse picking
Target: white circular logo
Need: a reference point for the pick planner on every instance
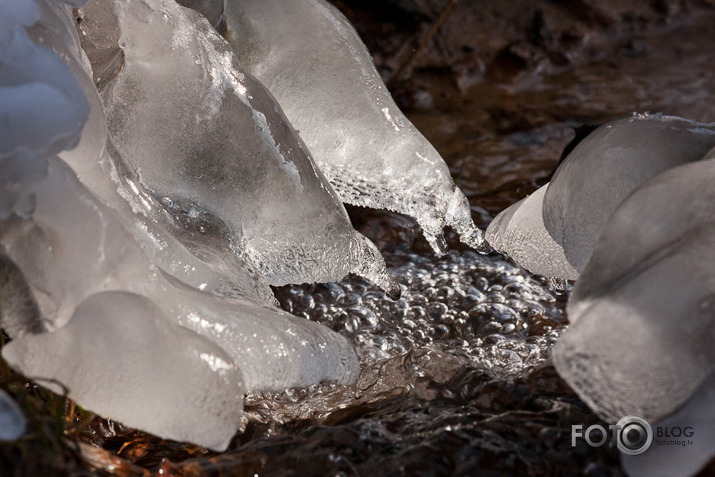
(634, 436)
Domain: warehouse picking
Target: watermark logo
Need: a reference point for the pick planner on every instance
(633, 435)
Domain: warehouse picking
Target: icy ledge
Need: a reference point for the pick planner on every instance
(211, 145)
(313, 61)
(90, 308)
(151, 190)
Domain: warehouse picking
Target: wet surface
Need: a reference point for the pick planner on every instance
(456, 377)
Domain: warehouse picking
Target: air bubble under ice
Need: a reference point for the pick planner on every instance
(484, 309)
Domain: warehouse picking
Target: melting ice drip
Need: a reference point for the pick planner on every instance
(365, 146)
(151, 190)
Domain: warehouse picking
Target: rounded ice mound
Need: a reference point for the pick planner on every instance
(643, 311)
(624, 154)
(588, 185)
(519, 232)
(42, 106)
(120, 357)
(696, 420)
(313, 61)
(12, 421)
(202, 134)
(74, 249)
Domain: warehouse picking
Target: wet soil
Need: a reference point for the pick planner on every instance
(501, 89)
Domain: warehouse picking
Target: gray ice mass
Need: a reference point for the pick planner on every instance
(12, 421)
(629, 213)
(313, 61)
(559, 225)
(689, 443)
(643, 311)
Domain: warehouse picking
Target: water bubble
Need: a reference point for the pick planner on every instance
(483, 310)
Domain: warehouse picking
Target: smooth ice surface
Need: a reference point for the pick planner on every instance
(210, 142)
(665, 458)
(42, 107)
(120, 357)
(275, 350)
(193, 251)
(71, 231)
(609, 165)
(313, 61)
(642, 313)
(553, 231)
(519, 232)
(12, 421)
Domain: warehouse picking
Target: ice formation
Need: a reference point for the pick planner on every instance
(588, 185)
(216, 147)
(85, 235)
(696, 421)
(125, 338)
(631, 210)
(643, 311)
(90, 297)
(198, 258)
(519, 232)
(12, 421)
(136, 250)
(71, 230)
(312, 60)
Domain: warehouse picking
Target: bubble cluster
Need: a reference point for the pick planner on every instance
(483, 309)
